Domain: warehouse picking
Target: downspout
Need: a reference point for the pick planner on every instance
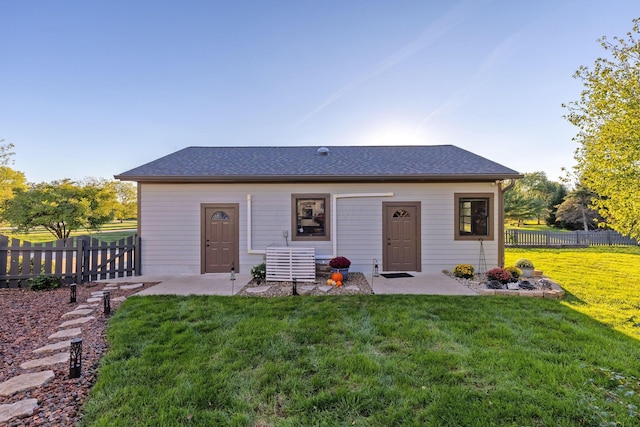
(249, 227)
(334, 214)
(500, 236)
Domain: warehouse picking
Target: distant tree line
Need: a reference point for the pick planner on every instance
(61, 206)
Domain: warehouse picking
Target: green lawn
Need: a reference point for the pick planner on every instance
(382, 360)
(112, 231)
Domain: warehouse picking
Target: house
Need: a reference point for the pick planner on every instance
(408, 208)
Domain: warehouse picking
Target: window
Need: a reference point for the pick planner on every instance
(474, 216)
(310, 216)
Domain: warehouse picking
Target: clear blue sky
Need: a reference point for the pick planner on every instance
(94, 88)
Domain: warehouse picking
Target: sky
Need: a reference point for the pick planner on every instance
(95, 88)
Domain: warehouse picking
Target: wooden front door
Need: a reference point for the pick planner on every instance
(220, 238)
(401, 236)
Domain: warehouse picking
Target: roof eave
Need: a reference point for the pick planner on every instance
(319, 178)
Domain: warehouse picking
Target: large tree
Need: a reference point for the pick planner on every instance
(60, 207)
(10, 180)
(608, 118)
(576, 210)
(531, 198)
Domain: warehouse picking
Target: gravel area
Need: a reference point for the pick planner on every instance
(320, 287)
(28, 318)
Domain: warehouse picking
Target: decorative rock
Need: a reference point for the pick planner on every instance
(77, 321)
(258, 289)
(46, 361)
(22, 408)
(54, 346)
(25, 382)
(513, 286)
(81, 312)
(66, 333)
(134, 286)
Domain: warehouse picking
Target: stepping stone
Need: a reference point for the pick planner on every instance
(80, 312)
(118, 299)
(66, 333)
(77, 321)
(325, 288)
(110, 288)
(46, 361)
(308, 287)
(22, 408)
(95, 299)
(55, 346)
(352, 288)
(97, 293)
(258, 289)
(25, 382)
(85, 306)
(134, 286)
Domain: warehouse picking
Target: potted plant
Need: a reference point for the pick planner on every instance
(525, 266)
(341, 265)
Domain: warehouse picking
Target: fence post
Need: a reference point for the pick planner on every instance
(79, 259)
(137, 251)
(4, 250)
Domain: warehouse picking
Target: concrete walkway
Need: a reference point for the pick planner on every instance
(220, 284)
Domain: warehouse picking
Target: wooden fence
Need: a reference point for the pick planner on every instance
(566, 239)
(79, 260)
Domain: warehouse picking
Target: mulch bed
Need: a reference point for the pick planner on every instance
(283, 289)
(28, 318)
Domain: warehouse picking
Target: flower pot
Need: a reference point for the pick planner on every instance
(343, 271)
(526, 272)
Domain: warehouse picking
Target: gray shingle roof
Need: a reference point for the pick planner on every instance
(343, 163)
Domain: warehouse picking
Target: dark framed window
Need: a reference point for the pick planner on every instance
(310, 216)
(474, 216)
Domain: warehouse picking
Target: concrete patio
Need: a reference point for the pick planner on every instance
(220, 284)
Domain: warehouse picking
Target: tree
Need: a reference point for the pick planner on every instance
(10, 180)
(608, 118)
(531, 197)
(60, 207)
(125, 205)
(575, 211)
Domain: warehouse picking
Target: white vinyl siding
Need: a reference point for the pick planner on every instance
(171, 235)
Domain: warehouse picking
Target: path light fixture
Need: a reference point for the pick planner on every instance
(106, 302)
(295, 286)
(75, 358)
(232, 277)
(376, 273)
(72, 290)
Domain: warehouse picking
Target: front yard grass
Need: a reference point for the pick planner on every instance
(381, 360)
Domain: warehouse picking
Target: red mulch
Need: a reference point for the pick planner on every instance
(27, 318)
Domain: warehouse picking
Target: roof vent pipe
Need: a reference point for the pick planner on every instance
(323, 151)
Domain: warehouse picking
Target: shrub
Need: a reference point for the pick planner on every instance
(45, 282)
(464, 271)
(500, 274)
(523, 263)
(515, 272)
(339, 262)
(259, 272)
